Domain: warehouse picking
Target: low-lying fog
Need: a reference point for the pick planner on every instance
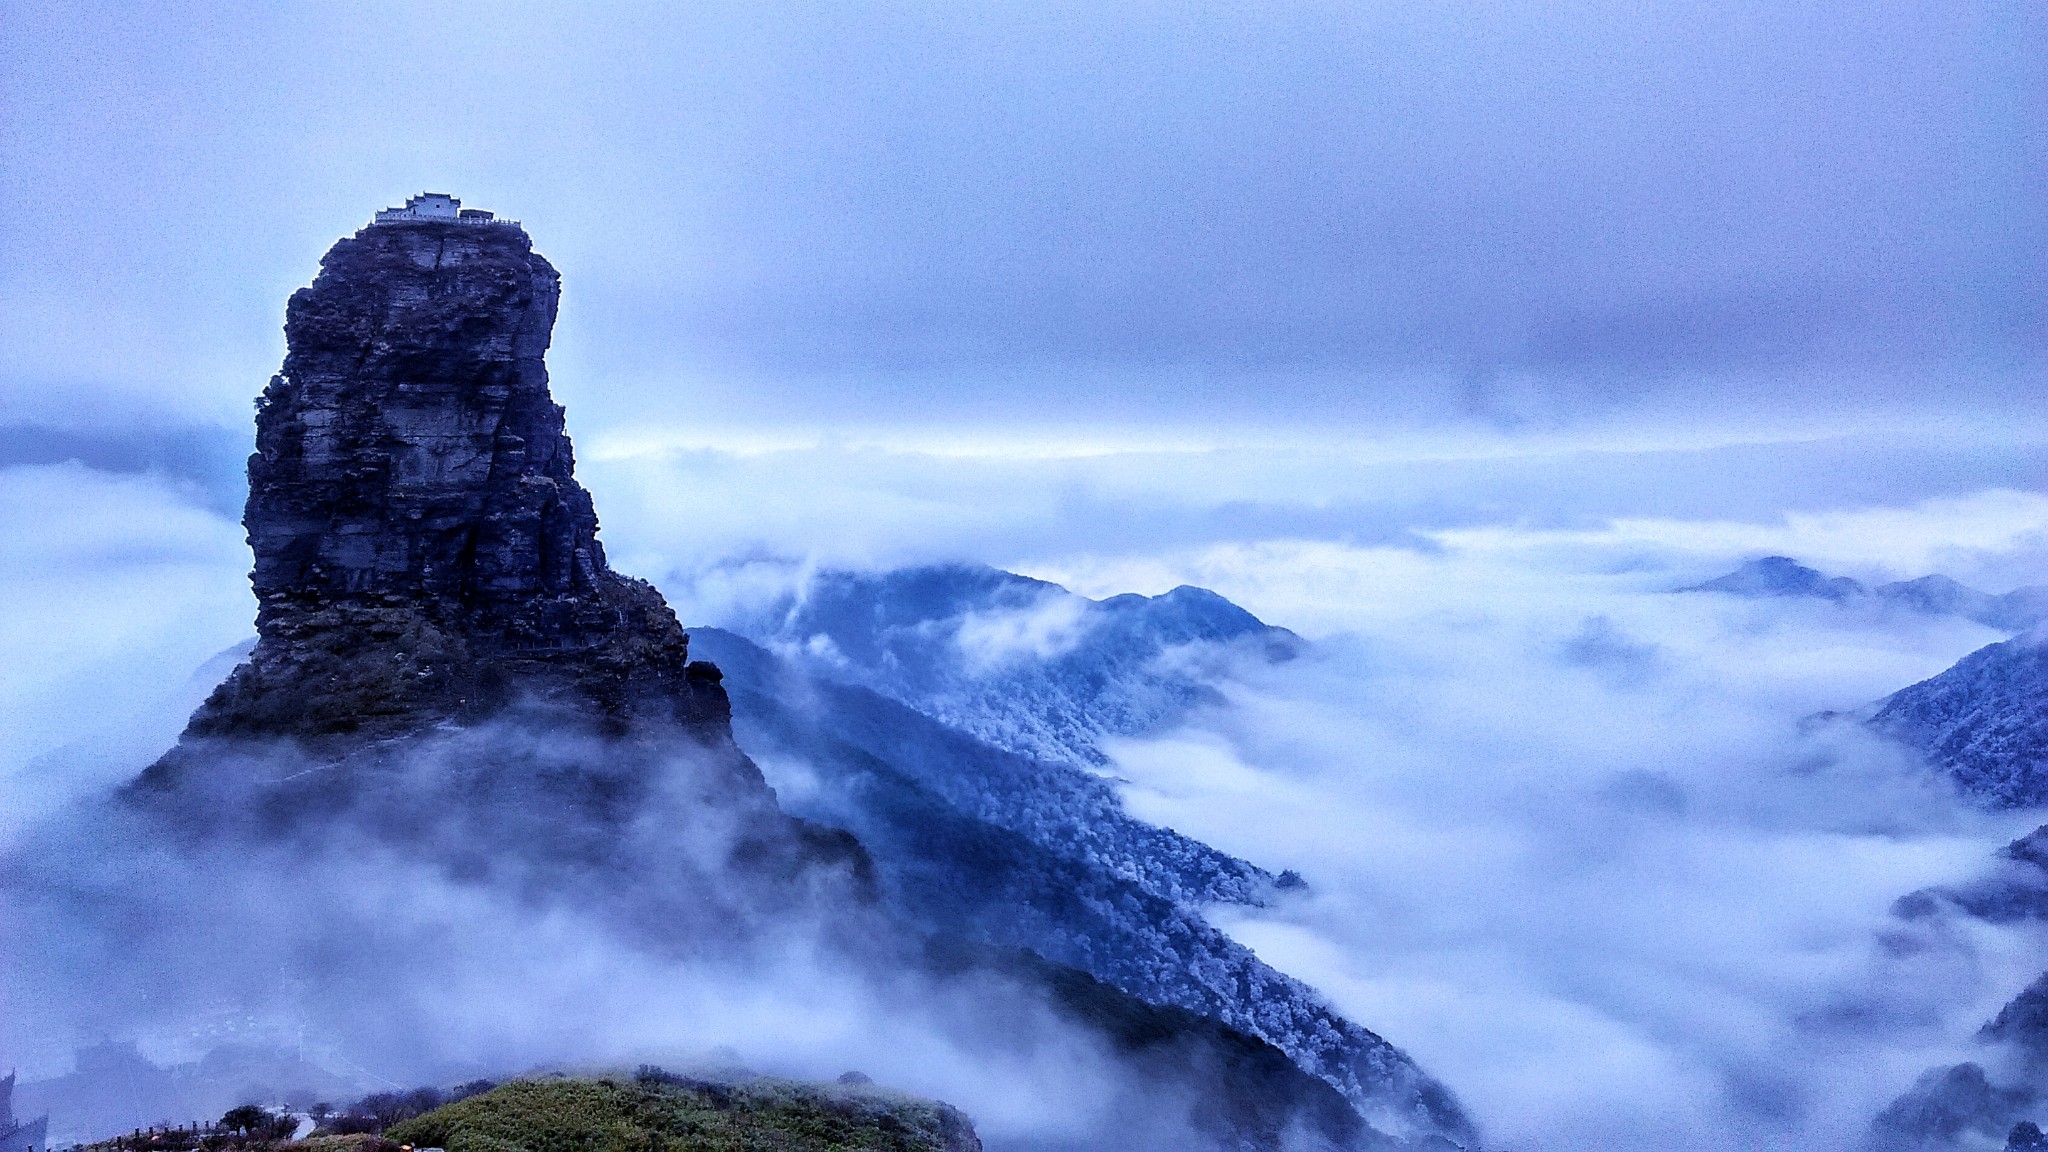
(1567, 838)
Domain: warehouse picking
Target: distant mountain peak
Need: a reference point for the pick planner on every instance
(1781, 576)
(1022, 663)
(1935, 595)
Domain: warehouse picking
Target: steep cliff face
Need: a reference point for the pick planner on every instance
(422, 546)
(444, 659)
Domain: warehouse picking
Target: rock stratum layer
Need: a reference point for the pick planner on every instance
(421, 543)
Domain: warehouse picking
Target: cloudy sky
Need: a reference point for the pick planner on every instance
(1158, 216)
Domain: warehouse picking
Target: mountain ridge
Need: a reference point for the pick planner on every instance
(1982, 722)
(880, 769)
(1020, 662)
(2000, 1093)
(1775, 576)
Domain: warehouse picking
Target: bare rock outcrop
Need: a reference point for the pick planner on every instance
(422, 547)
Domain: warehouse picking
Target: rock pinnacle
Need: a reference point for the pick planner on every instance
(422, 547)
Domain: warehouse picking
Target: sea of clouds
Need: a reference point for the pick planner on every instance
(1570, 843)
(1571, 837)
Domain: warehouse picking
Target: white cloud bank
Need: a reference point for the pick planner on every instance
(1566, 839)
(116, 589)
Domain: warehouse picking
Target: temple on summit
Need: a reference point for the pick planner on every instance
(32, 1136)
(438, 207)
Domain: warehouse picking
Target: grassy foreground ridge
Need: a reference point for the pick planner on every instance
(662, 1112)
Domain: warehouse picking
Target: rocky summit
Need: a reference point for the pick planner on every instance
(421, 544)
(443, 656)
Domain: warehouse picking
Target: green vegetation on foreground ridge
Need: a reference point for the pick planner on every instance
(660, 1112)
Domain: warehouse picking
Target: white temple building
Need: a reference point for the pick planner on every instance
(438, 206)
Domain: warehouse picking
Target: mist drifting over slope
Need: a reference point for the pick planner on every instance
(494, 930)
(1581, 841)
(1566, 837)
